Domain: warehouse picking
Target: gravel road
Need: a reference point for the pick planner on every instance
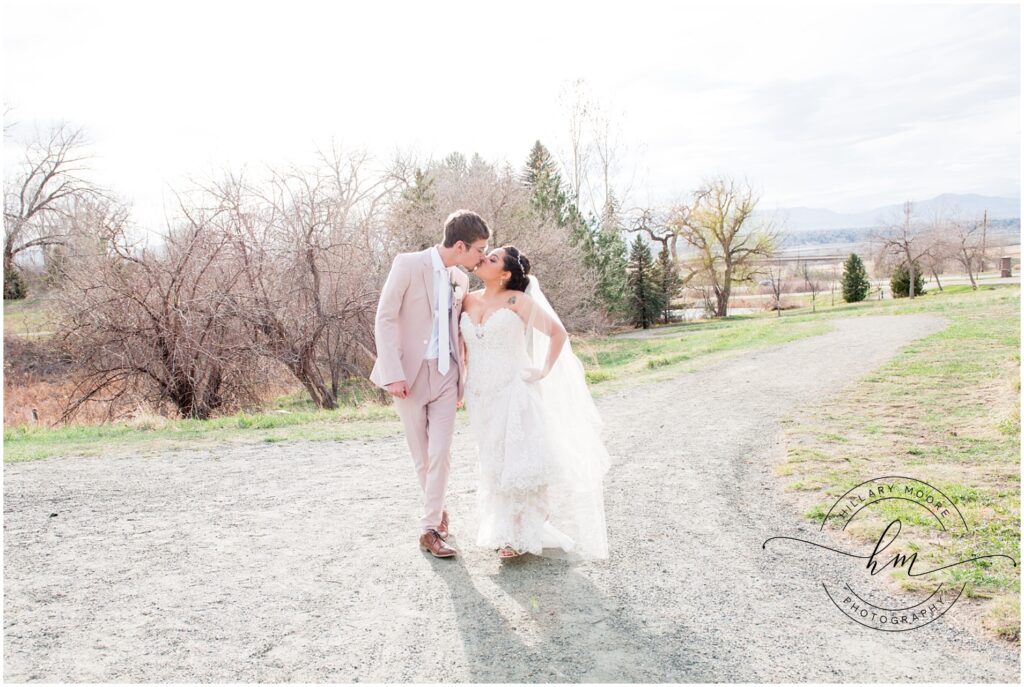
(298, 561)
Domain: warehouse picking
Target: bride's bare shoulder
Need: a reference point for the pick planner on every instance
(517, 299)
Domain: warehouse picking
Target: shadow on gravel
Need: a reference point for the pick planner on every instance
(564, 628)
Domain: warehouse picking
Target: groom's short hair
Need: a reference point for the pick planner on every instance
(465, 226)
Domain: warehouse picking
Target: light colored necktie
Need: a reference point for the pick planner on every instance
(442, 323)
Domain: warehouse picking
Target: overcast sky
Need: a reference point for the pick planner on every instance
(845, 107)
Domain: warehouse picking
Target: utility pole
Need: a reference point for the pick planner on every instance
(984, 227)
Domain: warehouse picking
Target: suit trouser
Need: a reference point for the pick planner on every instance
(428, 414)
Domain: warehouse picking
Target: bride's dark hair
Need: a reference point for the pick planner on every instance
(519, 266)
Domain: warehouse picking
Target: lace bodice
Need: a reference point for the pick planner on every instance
(496, 350)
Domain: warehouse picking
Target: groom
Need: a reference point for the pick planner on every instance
(419, 357)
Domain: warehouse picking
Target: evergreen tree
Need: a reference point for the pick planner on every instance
(14, 285)
(540, 167)
(581, 230)
(645, 302)
(540, 174)
(609, 254)
(900, 281)
(855, 280)
(611, 258)
(600, 243)
(54, 261)
(421, 193)
(667, 279)
(457, 162)
(419, 202)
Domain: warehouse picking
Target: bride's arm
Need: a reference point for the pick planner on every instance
(543, 322)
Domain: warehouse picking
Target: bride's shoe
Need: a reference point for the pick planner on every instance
(508, 552)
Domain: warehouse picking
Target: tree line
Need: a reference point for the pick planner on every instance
(280, 269)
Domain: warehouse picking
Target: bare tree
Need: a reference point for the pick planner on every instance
(774, 272)
(938, 237)
(39, 193)
(967, 245)
(155, 323)
(305, 244)
(663, 226)
(701, 281)
(8, 123)
(576, 103)
(717, 227)
(607, 142)
(906, 238)
(935, 260)
(813, 282)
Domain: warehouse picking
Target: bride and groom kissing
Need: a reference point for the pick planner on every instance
(503, 352)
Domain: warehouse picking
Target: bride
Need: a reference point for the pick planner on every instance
(542, 460)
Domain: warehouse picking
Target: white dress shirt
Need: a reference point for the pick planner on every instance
(441, 275)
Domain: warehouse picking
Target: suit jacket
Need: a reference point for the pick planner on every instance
(404, 319)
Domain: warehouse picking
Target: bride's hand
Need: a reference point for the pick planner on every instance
(531, 374)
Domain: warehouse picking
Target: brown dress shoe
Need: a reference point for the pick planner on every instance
(442, 529)
(431, 541)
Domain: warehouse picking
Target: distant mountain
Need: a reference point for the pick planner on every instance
(804, 218)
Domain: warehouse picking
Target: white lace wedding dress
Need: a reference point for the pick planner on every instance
(526, 497)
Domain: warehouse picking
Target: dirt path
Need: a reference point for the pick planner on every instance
(298, 562)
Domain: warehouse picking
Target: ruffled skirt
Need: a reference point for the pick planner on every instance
(518, 470)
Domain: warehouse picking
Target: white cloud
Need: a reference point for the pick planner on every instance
(842, 106)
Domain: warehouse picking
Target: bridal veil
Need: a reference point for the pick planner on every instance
(576, 496)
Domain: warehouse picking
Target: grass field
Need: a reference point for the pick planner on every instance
(945, 410)
(27, 318)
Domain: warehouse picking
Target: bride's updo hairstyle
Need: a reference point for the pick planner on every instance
(519, 266)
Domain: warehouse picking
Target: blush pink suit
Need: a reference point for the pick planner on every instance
(402, 329)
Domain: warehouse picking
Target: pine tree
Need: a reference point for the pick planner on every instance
(540, 174)
(611, 257)
(600, 242)
(54, 261)
(666, 277)
(855, 280)
(457, 162)
(540, 167)
(14, 285)
(421, 193)
(900, 281)
(645, 303)
(418, 203)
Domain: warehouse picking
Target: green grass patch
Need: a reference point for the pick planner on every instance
(153, 433)
(685, 347)
(945, 410)
(28, 317)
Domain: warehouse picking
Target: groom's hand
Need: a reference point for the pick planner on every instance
(398, 389)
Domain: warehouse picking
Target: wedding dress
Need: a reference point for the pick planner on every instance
(541, 460)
